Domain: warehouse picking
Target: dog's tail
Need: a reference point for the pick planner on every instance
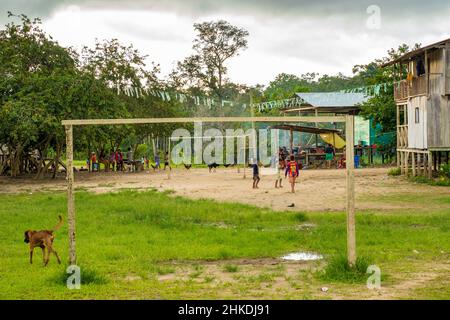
(59, 224)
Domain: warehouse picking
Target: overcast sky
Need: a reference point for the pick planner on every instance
(292, 36)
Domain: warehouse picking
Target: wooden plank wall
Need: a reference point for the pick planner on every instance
(447, 70)
(438, 106)
(417, 132)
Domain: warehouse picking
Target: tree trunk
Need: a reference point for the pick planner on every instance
(42, 167)
(15, 161)
(56, 160)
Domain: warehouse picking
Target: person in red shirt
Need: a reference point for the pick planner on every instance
(292, 171)
(94, 162)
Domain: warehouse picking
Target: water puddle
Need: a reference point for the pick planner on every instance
(302, 256)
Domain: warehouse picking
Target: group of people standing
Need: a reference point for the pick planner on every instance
(117, 162)
(286, 164)
(291, 169)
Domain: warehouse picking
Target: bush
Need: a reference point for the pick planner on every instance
(230, 268)
(441, 182)
(421, 179)
(300, 217)
(339, 270)
(445, 171)
(394, 172)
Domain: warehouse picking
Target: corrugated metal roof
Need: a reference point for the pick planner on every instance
(332, 99)
(417, 52)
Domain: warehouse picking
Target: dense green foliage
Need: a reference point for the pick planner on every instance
(43, 83)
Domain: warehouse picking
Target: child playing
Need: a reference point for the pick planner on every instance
(157, 165)
(166, 161)
(112, 160)
(256, 177)
(293, 171)
(280, 168)
(94, 162)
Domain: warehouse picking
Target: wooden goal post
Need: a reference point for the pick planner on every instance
(350, 165)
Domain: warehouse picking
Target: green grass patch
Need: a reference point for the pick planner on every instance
(138, 234)
(441, 181)
(231, 268)
(394, 172)
(162, 269)
(88, 276)
(339, 270)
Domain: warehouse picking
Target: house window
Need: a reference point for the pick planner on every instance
(417, 116)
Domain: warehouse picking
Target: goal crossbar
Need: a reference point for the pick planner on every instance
(80, 122)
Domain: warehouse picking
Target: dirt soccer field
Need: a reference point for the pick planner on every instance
(316, 190)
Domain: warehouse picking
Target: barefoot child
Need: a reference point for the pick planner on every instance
(255, 175)
(293, 172)
(166, 161)
(280, 168)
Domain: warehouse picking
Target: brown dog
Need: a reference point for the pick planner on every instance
(44, 240)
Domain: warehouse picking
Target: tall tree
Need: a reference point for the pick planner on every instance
(216, 42)
(119, 66)
(285, 86)
(40, 85)
(29, 57)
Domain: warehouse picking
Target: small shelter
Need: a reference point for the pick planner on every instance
(331, 103)
(323, 132)
(331, 136)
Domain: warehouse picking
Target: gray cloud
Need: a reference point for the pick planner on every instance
(285, 35)
(44, 8)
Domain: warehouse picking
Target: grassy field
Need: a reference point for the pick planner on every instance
(153, 245)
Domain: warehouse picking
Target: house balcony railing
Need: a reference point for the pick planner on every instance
(404, 89)
(402, 136)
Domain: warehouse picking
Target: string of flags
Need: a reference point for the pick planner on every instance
(207, 101)
(373, 90)
(285, 104)
(180, 97)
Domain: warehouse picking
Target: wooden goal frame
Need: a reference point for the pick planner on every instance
(350, 164)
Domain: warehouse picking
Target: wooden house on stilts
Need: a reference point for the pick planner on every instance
(423, 108)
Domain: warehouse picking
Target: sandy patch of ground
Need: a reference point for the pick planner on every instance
(317, 190)
(269, 278)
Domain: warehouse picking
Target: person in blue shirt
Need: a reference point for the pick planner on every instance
(157, 161)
